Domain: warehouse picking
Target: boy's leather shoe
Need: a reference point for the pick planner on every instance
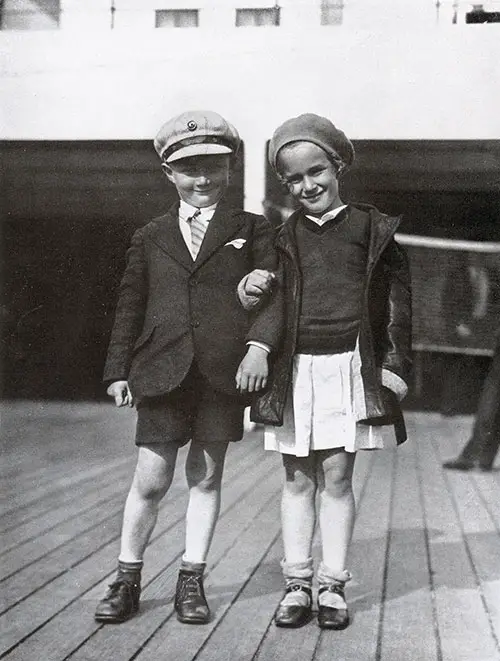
(329, 617)
(120, 602)
(190, 602)
(294, 616)
(462, 464)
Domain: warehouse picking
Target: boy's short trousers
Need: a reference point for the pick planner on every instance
(192, 411)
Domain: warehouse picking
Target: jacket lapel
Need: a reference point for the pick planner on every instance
(224, 224)
(168, 237)
(286, 238)
(382, 229)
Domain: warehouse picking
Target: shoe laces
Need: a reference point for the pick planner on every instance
(191, 587)
(113, 588)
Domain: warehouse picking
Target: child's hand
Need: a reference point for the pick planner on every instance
(253, 370)
(121, 392)
(259, 282)
(254, 286)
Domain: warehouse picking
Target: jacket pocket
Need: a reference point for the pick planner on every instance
(144, 338)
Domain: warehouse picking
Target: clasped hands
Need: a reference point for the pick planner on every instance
(253, 370)
(254, 286)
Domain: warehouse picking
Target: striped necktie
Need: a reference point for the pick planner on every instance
(198, 229)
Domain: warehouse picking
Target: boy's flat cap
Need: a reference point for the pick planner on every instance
(196, 133)
(312, 128)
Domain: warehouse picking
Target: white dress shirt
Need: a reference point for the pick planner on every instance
(186, 211)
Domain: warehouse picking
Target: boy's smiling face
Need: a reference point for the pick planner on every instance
(200, 180)
(310, 176)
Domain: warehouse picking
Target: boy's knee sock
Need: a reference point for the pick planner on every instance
(129, 572)
(197, 567)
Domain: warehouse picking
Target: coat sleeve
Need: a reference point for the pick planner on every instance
(130, 310)
(267, 319)
(396, 357)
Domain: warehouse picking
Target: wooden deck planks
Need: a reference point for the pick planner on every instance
(233, 526)
(253, 610)
(368, 559)
(235, 564)
(86, 562)
(462, 637)
(481, 535)
(408, 600)
(425, 553)
(85, 578)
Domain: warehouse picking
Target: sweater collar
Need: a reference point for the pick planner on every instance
(329, 215)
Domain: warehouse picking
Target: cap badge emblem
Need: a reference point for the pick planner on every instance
(192, 125)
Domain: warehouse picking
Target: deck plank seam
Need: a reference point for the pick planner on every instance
(383, 596)
(66, 483)
(485, 503)
(428, 557)
(34, 537)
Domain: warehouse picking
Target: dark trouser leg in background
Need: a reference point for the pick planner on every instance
(484, 443)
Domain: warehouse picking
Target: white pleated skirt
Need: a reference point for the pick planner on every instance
(319, 411)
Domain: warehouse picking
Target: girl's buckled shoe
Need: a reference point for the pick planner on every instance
(294, 615)
(328, 616)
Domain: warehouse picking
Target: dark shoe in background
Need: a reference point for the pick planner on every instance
(463, 464)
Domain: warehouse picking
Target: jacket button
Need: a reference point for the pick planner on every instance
(193, 283)
(195, 324)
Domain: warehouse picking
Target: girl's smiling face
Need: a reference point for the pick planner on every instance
(310, 176)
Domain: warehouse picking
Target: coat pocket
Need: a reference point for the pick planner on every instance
(144, 338)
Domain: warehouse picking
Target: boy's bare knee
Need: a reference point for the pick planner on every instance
(153, 476)
(202, 477)
(204, 467)
(150, 488)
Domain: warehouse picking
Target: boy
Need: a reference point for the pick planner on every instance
(344, 361)
(177, 347)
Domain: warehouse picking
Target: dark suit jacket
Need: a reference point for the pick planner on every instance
(172, 310)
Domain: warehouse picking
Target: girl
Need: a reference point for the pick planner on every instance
(344, 360)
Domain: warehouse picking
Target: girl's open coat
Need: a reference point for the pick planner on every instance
(382, 353)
